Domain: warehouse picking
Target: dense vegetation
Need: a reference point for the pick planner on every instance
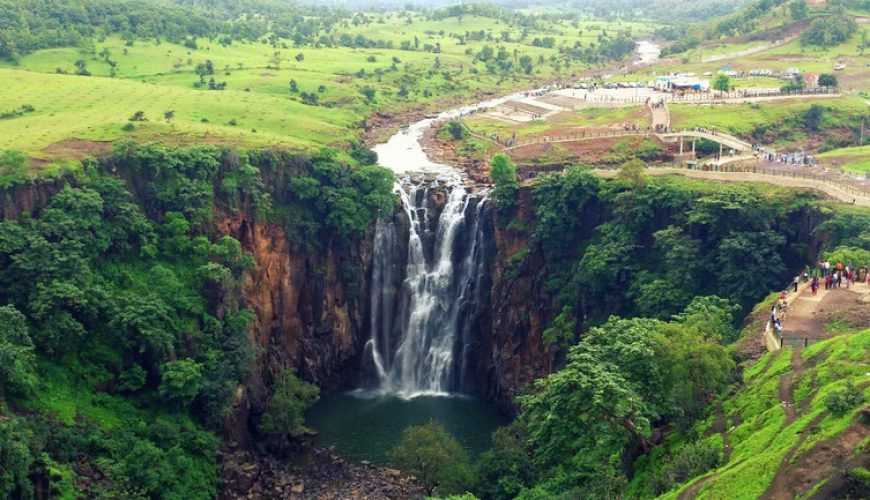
(123, 335)
(681, 264)
(830, 31)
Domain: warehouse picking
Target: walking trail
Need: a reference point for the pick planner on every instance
(808, 314)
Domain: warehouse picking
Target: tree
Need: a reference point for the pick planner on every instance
(504, 177)
(275, 60)
(180, 381)
(294, 86)
(827, 80)
(201, 72)
(138, 116)
(799, 10)
(17, 358)
(169, 115)
(633, 171)
(812, 119)
(13, 167)
(505, 468)
(284, 415)
(16, 458)
(369, 94)
(456, 130)
(300, 57)
(526, 64)
(82, 68)
(722, 83)
(434, 457)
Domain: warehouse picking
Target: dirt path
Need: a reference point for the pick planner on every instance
(809, 314)
(660, 117)
(816, 464)
(786, 386)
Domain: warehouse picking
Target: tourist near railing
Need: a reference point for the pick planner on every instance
(773, 339)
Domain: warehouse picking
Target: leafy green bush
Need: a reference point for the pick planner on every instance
(829, 31)
(691, 461)
(505, 186)
(456, 130)
(284, 415)
(839, 402)
(180, 381)
(505, 469)
(13, 168)
(434, 457)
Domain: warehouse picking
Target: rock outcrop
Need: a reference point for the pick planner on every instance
(320, 474)
(309, 311)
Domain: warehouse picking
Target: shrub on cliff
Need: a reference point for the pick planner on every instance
(434, 457)
(505, 186)
(284, 415)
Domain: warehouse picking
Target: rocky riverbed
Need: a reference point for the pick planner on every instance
(320, 475)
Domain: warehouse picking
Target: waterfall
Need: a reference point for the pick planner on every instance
(421, 314)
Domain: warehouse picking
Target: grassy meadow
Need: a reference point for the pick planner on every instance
(855, 159)
(259, 106)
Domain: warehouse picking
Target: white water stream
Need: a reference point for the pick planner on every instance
(422, 312)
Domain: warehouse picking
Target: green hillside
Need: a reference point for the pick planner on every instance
(793, 428)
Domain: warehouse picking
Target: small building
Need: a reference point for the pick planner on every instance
(681, 83)
(811, 80)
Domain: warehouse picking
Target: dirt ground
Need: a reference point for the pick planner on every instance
(809, 314)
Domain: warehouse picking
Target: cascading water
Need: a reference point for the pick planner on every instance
(428, 278)
(421, 316)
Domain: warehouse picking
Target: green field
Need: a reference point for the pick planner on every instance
(73, 114)
(561, 123)
(742, 119)
(855, 159)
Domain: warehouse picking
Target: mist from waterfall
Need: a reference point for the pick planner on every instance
(421, 314)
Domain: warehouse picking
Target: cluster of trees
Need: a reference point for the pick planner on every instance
(134, 308)
(119, 294)
(692, 261)
(746, 20)
(656, 243)
(829, 31)
(339, 198)
(580, 425)
(28, 25)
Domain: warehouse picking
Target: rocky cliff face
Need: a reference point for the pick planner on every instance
(309, 311)
(28, 199)
(510, 351)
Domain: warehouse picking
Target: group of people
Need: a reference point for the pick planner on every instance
(831, 275)
(838, 275)
(794, 158)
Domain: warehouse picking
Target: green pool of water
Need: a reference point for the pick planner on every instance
(364, 425)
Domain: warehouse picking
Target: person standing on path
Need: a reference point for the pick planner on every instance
(815, 285)
(796, 282)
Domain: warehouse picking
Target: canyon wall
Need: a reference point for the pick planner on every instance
(311, 299)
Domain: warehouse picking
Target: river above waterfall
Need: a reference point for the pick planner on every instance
(647, 52)
(365, 425)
